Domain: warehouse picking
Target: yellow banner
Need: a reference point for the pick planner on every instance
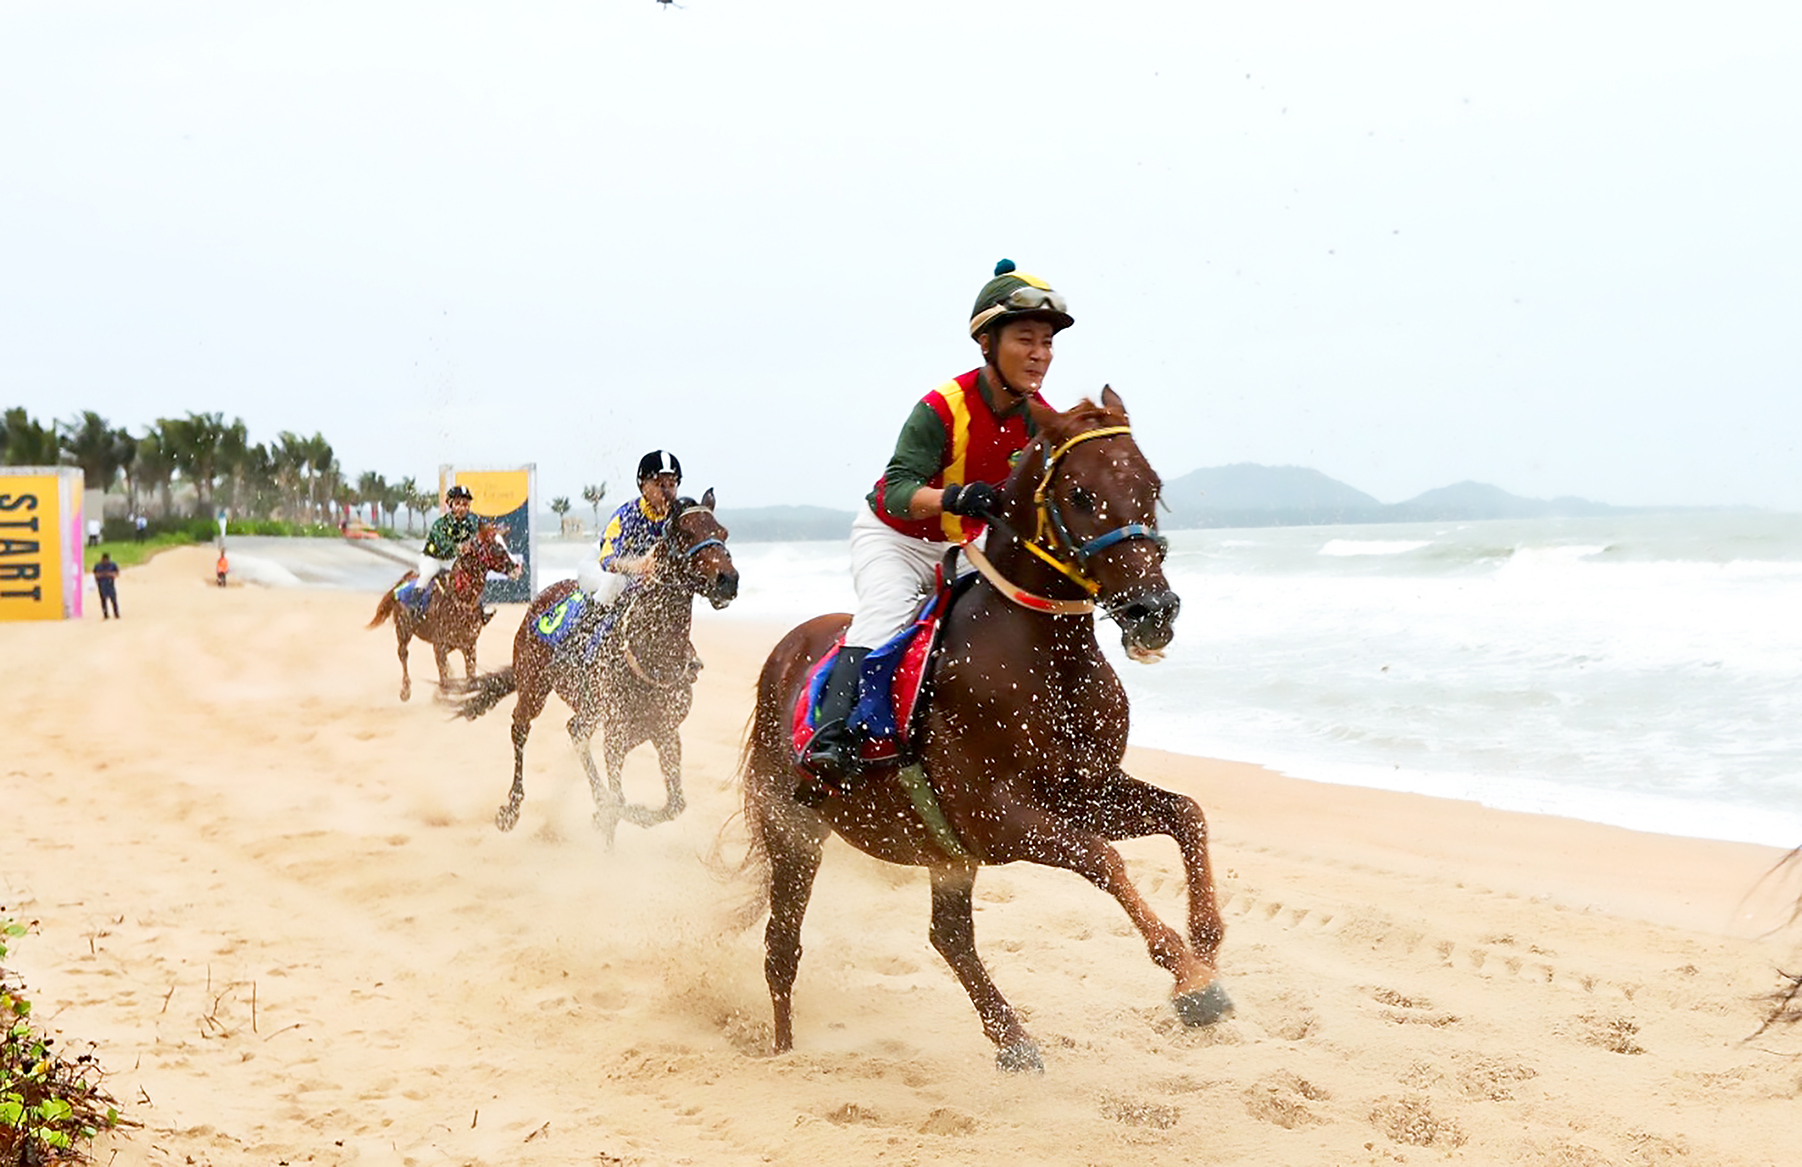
(31, 547)
(498, 493)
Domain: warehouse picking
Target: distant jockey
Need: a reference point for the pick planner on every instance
(956, 446)
(632, 532)
(448, 535)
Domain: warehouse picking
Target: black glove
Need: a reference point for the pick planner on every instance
(973, 500)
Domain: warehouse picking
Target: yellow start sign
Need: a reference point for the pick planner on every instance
(40, 543)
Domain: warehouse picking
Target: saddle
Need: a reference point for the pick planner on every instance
(409, 593)
(891, 684)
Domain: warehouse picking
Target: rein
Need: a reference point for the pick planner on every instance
(1050, 519)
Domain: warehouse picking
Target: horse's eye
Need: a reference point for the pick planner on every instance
(1082, 500)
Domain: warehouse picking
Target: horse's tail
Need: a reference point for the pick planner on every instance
(387, 608)
(485, 691)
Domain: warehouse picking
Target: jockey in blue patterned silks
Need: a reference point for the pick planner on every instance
(633, 531)
(627, 542)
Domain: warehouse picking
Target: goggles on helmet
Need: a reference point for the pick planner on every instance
(1020, 301)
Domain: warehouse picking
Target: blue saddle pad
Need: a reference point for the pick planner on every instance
(874, 713)
(554, 623)
(413, 596)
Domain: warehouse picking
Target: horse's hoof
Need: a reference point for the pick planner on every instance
(606, 821)
(1022, 1057)
(1203, 1007)
(507, 817)
(638, 816)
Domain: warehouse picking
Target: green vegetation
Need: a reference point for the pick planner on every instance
(51, 1107)
(195, 466)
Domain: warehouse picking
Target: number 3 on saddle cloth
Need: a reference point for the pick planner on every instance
(891, 685)
(574, 619)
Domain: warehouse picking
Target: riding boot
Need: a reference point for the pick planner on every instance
(832, 754)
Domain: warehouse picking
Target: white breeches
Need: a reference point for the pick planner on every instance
(429, 568)
(605, 586)
(892, 573)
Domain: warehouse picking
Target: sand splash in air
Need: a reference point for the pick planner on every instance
(276, 899)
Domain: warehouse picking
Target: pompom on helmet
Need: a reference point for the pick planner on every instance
(459, 491)
(659, 462)
(1014, 295)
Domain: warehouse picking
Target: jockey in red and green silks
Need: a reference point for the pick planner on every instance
(956, 446)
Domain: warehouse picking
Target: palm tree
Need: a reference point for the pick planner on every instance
(406, 491)
(24, 442)
(324, 475)
(592, 495)
(195, 444)
(87, 441)
(125, 452)
(560, 507)
(153, 465)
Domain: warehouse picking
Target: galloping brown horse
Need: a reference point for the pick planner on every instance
(639, 684)
(1022, 740)
(453, 620)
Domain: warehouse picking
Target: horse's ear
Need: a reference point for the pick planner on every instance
(707, 499)
(1111, 400)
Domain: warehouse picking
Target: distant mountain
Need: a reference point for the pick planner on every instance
(1249, 495)
(1479, 500)
(785, 523)
(1242, 495)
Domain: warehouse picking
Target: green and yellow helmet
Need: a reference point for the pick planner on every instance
(1014, 295)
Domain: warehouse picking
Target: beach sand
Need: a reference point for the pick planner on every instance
(275, 899)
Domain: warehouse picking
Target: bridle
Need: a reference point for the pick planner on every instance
(690, 553)
(687, 556)
(1064, 554)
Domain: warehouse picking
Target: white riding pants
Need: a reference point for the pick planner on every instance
(603, 585)
(429, 569)
(892, 573)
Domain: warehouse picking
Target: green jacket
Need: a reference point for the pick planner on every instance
(449, 533)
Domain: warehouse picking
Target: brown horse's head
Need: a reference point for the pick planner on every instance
(1084, 493)
(485, 553)
(694, 552)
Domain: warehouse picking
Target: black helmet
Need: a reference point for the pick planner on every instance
(658, 462)
(459, 491)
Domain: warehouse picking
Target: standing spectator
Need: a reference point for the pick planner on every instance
(222, 566)
(93, 532)
(139, 523)
(106, 578)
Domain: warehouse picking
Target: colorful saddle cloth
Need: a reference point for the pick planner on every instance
(413, 596)
(575, 617)
(890, 689)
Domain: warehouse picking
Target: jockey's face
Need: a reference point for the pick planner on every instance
(459, 507)
(1022, 353)
(659, 490)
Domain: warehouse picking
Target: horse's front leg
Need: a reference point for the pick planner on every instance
(1040, 838)
(954, 936)
(607, 802)
(403, 637)
(441, 652)
(1131, 809)
(669, 758)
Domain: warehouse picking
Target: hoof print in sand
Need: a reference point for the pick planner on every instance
(1282, 1099)
(1138, 1112)
(1410, 1120)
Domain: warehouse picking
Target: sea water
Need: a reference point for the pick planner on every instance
(1642, 670)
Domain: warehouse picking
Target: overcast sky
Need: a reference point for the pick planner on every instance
(1550, 246)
